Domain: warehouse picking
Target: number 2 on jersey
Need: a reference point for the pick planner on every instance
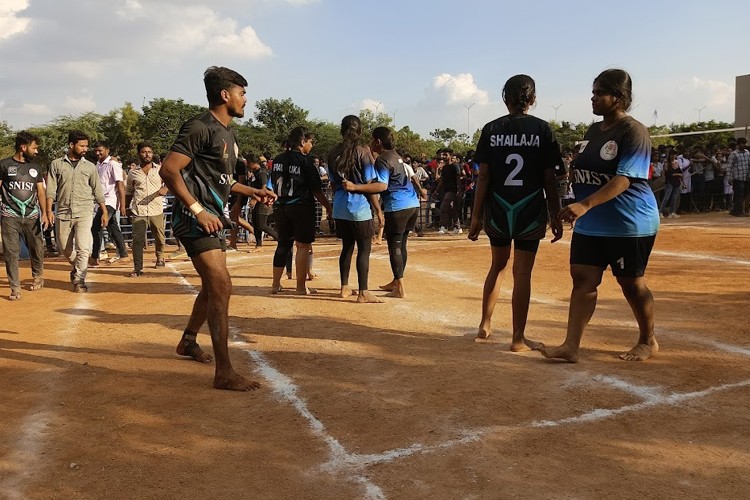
(511, 179)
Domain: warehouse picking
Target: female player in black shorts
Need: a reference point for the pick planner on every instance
(517, 156)
(297, 183)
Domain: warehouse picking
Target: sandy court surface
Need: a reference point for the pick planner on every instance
(392, 400)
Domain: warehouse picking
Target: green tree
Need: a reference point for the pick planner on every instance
(278, 117)
(327, 135)
(121, 128)
(703, 140)
(54, 135)
(162, 119)
(568, 134)
(7, 140)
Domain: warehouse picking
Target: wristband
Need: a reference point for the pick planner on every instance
(196, 208)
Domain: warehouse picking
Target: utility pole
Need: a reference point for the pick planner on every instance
(468, 120)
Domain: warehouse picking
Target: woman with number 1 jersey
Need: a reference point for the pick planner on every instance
(297, 183)
(517, 155)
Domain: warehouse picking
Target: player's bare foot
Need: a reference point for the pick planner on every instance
(398, 291)
(276, 289)
(389, 287)
(562, 352)
(485, 330)
(311, 276)
(256, 249)
(234, 382)
(306, 291)
(193, 350)
(366, 297)
(346, 291)
(525, 345)
(288, 276)
(641, 352)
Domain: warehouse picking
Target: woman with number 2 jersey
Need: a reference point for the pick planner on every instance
(297, 183)
(616, 216)
(517, 155)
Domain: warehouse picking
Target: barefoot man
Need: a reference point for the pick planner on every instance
(198, 170)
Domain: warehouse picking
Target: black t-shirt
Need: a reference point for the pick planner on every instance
(259, 181)
(518, 149)
(294, 178)
(212, 147)
(19, 190)
(450, 175)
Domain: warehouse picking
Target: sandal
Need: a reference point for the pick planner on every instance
(37, 285)
(15, 296)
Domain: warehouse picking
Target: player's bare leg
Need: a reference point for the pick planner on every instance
(302, 261)
(642, 303)
(586, 279)
(276, 284)
(523, 263)
(188, 346)
(492, 289)
(215, 279)
(398, 290)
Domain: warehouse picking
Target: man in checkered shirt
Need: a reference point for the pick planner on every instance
(739, 167)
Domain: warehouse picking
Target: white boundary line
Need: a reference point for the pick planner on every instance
(351, 465)
(32, 436)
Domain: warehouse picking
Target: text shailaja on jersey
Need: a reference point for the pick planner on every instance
(501, 140)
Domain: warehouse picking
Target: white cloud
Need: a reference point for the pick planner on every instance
(372, 105)
(80, 104)
(10, 22)
(459, 89)
(718, 93)
(34, 109)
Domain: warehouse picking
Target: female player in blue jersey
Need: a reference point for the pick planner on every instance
(517, 155)
(616, 216)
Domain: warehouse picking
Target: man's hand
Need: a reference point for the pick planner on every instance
(475, 228)
(45, 221)
(348, 186)
(50, 217)
(267, 196)
(105, 218)
(557, 229)
(209, 222)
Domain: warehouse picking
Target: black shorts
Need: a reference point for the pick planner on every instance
(295, 222)
(354, 229)
(400, 222)
(525, 245)
(195, 246)
(627, 256)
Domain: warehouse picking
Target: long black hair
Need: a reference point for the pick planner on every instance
(520, 92)
(351, 130)
(617, 82)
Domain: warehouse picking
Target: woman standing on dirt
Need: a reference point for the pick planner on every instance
(354, 184)
(616, 216)
(517, 155)
(297, 184)
(400, 204)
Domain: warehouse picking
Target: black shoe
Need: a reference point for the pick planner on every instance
(80, 287)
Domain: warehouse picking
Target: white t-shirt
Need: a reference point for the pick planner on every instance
(110, 173)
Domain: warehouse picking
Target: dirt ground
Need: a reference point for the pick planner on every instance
(392, 400)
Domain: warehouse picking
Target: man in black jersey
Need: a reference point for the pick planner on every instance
(22, 205)
(198, 170)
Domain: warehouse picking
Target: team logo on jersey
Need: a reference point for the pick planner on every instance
(582, 145)
(12, 170)
(33, 172)
(608, 151)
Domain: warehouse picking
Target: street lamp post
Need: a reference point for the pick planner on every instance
(468, 120)
(699, 112)
(556, 108)
(376, 108)
(394, 119)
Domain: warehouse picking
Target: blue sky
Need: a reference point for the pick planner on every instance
(423, 61)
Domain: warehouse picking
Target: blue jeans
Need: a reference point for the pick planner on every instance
(671, 194)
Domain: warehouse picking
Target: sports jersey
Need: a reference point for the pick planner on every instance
(351, 206)
(260, 180)
(294, 178)
(213, 151)
(19, 190)
(624, 149)
(392, 171)
(518, 148)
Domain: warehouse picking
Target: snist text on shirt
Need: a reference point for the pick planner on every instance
(590, 178)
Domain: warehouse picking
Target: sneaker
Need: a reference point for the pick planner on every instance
(110, 246)
(442, 230)
(114, 259)
(80, 287)
(458, 230)
(661, 216)
(103, 255)
(673, 216)
(15, 296)
(160, 263)
(178, 254)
